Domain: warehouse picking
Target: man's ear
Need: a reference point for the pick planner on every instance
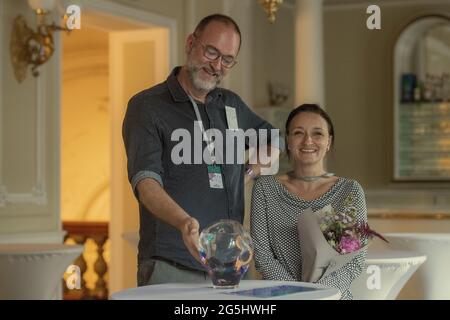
(189, 43)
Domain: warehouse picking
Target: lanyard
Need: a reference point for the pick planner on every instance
(209, 142)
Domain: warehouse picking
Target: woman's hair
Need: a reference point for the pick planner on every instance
(312, 108)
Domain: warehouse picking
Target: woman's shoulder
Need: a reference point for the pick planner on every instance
(270, 183)
(348, 184)
(348, 181)
(264, 180)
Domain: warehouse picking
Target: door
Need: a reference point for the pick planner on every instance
(138, 60)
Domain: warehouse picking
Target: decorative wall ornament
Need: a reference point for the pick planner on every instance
(278, 93)
(271, 7)
(29, 47)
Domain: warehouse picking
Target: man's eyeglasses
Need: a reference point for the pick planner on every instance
(212, 53)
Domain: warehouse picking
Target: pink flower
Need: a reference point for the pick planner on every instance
(349, 244)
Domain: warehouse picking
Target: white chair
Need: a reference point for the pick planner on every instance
(385, 274)
(432, 281)
(34, 271)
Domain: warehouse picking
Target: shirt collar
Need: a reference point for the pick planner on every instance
(179, 95)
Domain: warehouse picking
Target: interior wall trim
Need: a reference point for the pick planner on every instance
(409, 216)
(38, 193)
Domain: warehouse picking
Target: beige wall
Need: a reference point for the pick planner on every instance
(270, 48)
(273, 54)
(358, 82)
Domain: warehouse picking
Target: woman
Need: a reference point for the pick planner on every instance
(277, 201)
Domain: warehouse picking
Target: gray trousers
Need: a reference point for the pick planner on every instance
(156, 271)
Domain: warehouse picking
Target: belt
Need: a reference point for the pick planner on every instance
(175, 264)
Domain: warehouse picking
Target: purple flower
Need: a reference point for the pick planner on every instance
(349, 244)
(365, 230)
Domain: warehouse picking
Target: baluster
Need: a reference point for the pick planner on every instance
(81, 262)
(100, 267)
(80, 232)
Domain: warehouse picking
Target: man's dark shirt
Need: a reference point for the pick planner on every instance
(151, 118)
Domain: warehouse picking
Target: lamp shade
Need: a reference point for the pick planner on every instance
(45, 5)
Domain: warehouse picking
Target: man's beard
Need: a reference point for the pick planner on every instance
(200, 84)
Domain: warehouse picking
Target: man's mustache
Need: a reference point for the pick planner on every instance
(215, 73)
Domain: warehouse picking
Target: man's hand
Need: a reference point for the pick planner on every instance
(269, 165)
(190, 233)
(267, 161)
(256, 171)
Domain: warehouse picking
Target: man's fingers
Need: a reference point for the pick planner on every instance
(194, 248)
(191, 235)
(194, 226)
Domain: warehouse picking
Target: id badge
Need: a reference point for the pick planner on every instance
(231, 118)
(215, 176)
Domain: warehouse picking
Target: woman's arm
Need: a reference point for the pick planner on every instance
(265, 261)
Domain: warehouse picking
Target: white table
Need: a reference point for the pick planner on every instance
(202, 291)
(385, 274)
(432, 280)
(35, 270)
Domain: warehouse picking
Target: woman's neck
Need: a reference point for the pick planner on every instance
(307, 177)
(308, 171)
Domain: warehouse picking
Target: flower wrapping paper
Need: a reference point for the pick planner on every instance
(319, 258)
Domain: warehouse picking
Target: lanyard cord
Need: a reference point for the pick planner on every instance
(209, 142)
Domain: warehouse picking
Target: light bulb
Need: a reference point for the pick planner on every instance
(44, 5)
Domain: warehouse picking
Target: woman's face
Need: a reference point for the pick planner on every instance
(308, 140)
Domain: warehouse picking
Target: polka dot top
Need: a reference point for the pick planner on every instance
(273, 223)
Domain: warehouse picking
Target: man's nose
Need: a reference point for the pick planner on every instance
(217, 64)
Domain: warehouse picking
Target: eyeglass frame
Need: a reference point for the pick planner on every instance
(219, 54)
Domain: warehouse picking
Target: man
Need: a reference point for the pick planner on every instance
(177, 200)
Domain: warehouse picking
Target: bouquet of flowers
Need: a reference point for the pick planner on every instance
(341, 230)
(330, 239)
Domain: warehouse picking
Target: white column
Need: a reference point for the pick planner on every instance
(239, 79)
(309, 82)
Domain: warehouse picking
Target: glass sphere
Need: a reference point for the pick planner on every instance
(226, 251)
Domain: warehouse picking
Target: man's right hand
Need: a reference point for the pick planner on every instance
(190, 233)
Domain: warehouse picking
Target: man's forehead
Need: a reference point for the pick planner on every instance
(218, 28)
(222, 36)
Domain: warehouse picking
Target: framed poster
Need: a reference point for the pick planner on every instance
(421, 101)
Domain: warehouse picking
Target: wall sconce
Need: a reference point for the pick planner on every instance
(34, 48)
(271, 7)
